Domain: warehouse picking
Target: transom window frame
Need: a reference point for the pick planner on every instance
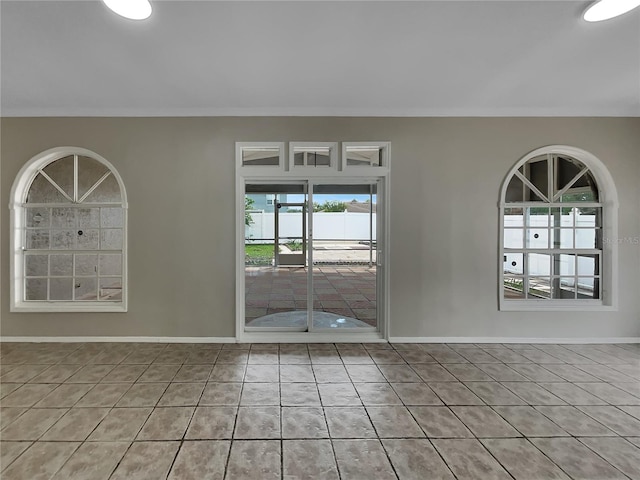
(17, 207)
(608, 202)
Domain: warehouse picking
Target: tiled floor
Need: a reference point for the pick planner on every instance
(344, 290)
(348, 411)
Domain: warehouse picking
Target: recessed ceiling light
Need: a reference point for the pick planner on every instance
(606, 9)
(132, 9)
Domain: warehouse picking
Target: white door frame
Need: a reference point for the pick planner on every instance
(280, 175)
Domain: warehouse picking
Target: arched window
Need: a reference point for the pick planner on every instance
(558, 211)
(69, 234)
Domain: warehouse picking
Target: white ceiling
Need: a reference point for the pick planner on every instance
(378, 58)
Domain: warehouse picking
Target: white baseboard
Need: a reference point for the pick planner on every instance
(120, 339)
(572, 340)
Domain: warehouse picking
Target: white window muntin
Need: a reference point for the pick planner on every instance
(19, 208)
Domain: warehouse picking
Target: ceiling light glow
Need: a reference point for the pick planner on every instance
(606, 9)
(132, 9)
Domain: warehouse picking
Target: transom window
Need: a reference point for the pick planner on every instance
(552, 218)
(69, 214)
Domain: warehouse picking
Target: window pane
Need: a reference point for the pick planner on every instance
(562, 217)
(41, 191)
(61, 265)
(588, 238)
(38, 217)
(363, 156)
(88, 239)
(513, 217)
(515, 191)
(63, 217)
(107, 192)
(111, 239)
(537, 216)
(588, 265)
(562, 238)
(536, 172)
(111, 289)
(111, 264)
(514, 263)
(513, 287)
(252, 157)
(588, 217)
(537, 238)
(513, 237)
(86, 264)
(37, 239)
(564, 264)
(564, 288)
(86, 288)
(62, 239)
(539, 287)
(35, 289)
(567, 168)
(61, 172)
(89, 172)
(539, 264)
(588, 287)
(60, 288)
(88, 217)
(112, 217)
(36, 265)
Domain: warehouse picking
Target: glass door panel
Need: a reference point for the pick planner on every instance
(344, 249)
(275, 267)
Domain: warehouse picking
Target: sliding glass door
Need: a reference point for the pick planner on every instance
(311, 256)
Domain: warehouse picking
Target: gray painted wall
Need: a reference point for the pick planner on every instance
(445, 180)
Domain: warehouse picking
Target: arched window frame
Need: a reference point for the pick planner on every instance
(608, 198)
(18, 199)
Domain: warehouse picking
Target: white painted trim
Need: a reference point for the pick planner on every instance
(9, 339)
(624, 110)
(571, 340)
(311, 337)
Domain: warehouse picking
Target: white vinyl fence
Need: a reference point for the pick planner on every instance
(326, 226)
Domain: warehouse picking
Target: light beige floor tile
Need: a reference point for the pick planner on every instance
(146, 460)
(374, 394)
(104, 395)
(615, 419)
(28, 395)
(618, 452)
(40, 462)
(299, 394)
(120, 424)
(571, 394)
(296, 374)
(66, 395)
(416, 459)
(200, 461)
(484, 422)
(610, 394)
(533, 394)
(56, 374)
(212, 423)
(181, 395)
(365, 374)
(258, 422)
(8, 388)
(394, 422)
(466, 372)
(362, 459)
(432, 372)
(9, 451)
(193, 373)
(166, 423)
(494, 393)
(262, 373)
(143, 395)
(330, 373)
(23, 373)
(221, 394)
(399, 374)
(574, 422)
(260, 394)
(159, 373)
(523, 460)
(439, 422)
(469, 460)
(349, 422)
(253, 459)
(9, 414)
(90, 374)
(32, 424)
(455, 393)
(75, 425)
(576, 459)
(303, 422)
(309, 460)
(530, 422)
(416, 394)
(93, 461)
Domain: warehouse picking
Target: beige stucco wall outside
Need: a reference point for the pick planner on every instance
(445, 179)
